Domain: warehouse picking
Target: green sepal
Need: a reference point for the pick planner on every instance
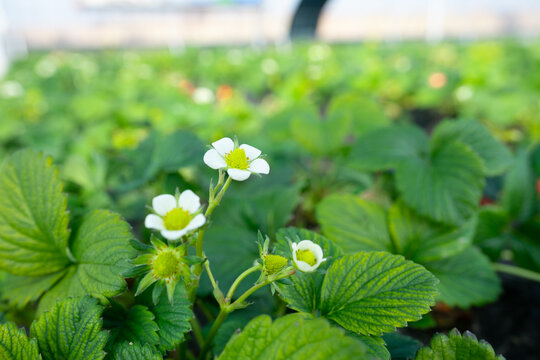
(170, 291)
(139, 246)
(193, 260)
(145, 282)
(156, 292)
(135, 271)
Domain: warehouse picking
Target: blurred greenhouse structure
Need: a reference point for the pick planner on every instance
(87, 24)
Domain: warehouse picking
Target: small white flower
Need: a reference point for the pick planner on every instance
(175, 217)
(203, 95)
(239, 161)
(307, 256)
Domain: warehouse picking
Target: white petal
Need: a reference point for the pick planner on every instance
(238, 175)
(189, 201)
(306, 245)
(304, 267)
(259, 166)
(152, 221)
(214, 160)
(251, 152)
(173, 235)
(162, 204)
(196, 222)
(223, 146)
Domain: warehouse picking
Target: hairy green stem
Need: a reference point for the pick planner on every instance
(239, 279)
(517, 271)
(197, 331)
(223, 313)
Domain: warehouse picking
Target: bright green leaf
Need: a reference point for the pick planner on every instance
(365, 114)
(353, 223)
(376, 347)
(292, 337)
(495, 156)
(446, 187)
(457, 347)
(33, 219)
(489, 236)
(373, 292)
(14, 345)
(71, 330)
(466, 279)
(102, 250)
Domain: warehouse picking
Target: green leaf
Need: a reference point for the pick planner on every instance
(135, 325)
(304, 294)
(466, 279)
(519, 193)
(365, 114)
(457, 347)
(495, 156)
(320, 136)
(14, 345)
(292, 337)
(421, 239)
(24, 289)
(401, 347)
(376, 347)
(526, 245)
(33, 219)
(385, 148)
(134, 351)
(353, 223)
(373, 292)
(173, 320)
(71, 330)
(491, 226)
(161, 153)
(102, 250)
(446, 187)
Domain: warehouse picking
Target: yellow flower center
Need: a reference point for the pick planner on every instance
(306, 256)
(165, 265)
(274, 263)
(176, 219)
(237, 159)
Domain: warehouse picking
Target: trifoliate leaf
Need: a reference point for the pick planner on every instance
(173, 320)
(519, 193)
(465, 279)
(101, 248)
(446, 186)
(373, 292)
(292, 337)
(304, 294)
(401, 347)
(353, 223)
(457, 347)
(71, 330)
(14, 345)
(135, 325)
(33, 219)
(495, 156)
(134, 351)
(385, 148)
(421, 239)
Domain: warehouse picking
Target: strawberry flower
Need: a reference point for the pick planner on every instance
(175, 216)
(239, 161)
(307, 256)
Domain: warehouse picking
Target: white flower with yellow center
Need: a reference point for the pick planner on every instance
(175, 216)
(239, 161)
(307, 256)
